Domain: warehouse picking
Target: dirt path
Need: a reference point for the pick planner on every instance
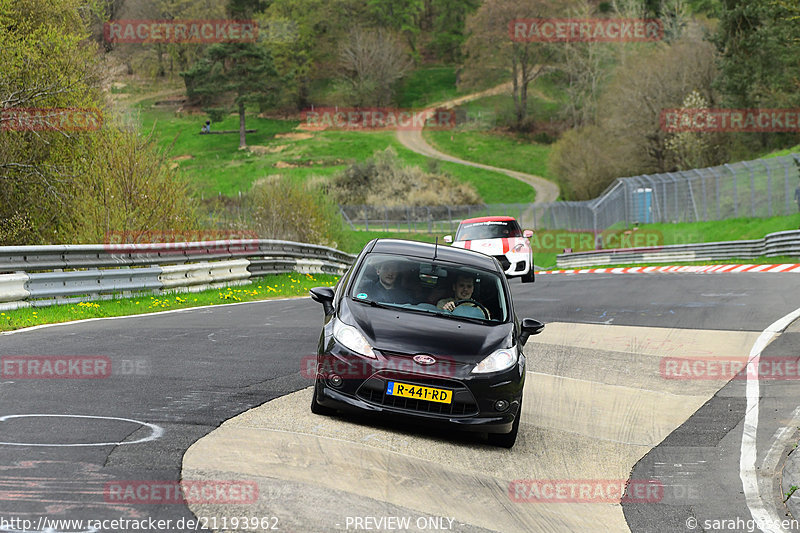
(546, 191)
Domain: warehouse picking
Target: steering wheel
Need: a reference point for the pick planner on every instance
(476, 304)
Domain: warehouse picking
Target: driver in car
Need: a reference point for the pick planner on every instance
(462, 289)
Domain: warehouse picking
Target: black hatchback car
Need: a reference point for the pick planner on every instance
(426, 331)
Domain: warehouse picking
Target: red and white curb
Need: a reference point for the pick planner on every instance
(696, 269)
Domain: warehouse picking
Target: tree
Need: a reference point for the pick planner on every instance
(448, 27)
(399, 15)
(241, 71)
(46, 64)
(628, 138)
(65, 184)
(757, 42)
(372, 62)
(491, 53)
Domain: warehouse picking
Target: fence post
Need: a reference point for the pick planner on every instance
(366, 218)
(430, 220)
(788, 208)
(769, 187)
(385, 219)
(752, 189)
(703, 188)
(716, 189)
(450, 219)
(408, 219)
(735, 192)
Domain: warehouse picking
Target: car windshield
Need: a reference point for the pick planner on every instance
(488, 229)
(441, 288)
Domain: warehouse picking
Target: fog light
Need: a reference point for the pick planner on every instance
(335, 381)
(501, 405)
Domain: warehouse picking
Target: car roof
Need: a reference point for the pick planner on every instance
(487, 219)
(426, 250)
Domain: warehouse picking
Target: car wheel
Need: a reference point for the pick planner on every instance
(528, 278)
(316, 408)
(507, 440)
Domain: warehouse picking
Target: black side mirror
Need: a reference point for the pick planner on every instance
(323, 295)
(530, 327)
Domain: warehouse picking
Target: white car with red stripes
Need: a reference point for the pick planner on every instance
(500, 237)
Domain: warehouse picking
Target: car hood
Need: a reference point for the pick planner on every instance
(498, 246)
(408, 332)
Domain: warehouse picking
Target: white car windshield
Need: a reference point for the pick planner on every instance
(488, 229)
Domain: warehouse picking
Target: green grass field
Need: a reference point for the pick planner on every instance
(733, 229)
(214, 163)
(427, 85)
(503, 151)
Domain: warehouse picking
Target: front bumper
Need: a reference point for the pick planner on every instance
(515, 263)
(363, 388)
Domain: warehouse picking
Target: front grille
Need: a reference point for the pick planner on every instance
(374, 390)
(504, 262)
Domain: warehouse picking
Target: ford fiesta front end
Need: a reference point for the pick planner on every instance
(423, 331)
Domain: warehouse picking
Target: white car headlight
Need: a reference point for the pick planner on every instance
(502, 359)
(352, 339)
(519, 247)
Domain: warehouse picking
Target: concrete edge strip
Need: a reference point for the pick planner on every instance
(694, 269)
(766, 517)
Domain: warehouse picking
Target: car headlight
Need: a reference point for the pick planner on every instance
(502, 359)
(519, 247)
(352, 339)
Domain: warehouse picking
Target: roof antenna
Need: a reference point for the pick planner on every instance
(435, 247)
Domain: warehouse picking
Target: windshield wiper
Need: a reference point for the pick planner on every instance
(373, 303)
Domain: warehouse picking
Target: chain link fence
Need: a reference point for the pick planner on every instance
(759, 188)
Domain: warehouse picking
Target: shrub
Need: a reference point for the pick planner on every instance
(280, 208)
(383, 180)
(124, 183)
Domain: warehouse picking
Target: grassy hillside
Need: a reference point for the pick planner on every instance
(216, 165)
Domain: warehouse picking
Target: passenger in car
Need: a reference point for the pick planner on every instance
(387, 288)
(463, 288)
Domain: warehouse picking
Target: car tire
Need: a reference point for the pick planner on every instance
(507, 440)
(316, 408)
(528, 278)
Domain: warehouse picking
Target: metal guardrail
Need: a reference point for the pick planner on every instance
(783, 243)
(37, 276)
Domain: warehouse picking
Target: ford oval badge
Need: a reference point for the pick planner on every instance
(423, 359)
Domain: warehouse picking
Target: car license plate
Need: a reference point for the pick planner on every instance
(430, 394)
